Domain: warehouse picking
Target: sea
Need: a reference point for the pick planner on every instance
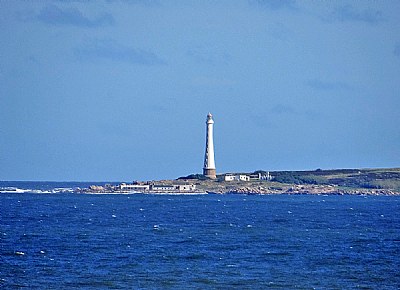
(136, 241)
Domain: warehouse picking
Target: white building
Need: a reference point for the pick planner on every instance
(239, 177)
(186, 187)
(134, 187)
(243, 177)
(229, 177)
(173, 188)
(163, 187)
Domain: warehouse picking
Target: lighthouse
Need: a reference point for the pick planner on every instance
(209, 161)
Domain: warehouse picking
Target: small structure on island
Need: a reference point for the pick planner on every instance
(209, 161)
(248, 177)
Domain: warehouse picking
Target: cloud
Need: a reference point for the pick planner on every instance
(273, 112)
(349, 13)
(274, 4)
(328, 86)
(281, 109)
(206, 81)
(209, 55)
(140, 2)
(111, 51)
(54, 15)
(279, 31)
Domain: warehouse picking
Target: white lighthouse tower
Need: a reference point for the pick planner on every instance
(209, 161)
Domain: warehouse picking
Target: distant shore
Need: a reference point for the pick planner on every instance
(249, 190)
(327, 182)
(383, 181)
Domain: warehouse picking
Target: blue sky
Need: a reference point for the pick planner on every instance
(120, 90)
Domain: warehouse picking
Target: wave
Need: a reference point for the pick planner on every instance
(30, 190)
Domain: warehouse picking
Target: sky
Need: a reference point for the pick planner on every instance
(119, 90)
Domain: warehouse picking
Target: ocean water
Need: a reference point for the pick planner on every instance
(67, 241)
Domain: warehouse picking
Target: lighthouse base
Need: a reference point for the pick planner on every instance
(210, 173)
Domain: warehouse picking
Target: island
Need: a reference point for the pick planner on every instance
(384, 181)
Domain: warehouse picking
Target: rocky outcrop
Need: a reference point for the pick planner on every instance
(309, 189)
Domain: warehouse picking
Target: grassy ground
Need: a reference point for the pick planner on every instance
(357, 179)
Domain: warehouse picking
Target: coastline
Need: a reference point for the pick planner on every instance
(247, 189)
(381, 181)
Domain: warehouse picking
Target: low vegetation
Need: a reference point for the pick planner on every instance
(353, 178)
(371, 180)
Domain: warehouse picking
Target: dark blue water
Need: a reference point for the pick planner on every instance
(231, 241)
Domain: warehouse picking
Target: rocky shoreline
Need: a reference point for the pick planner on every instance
(317, 182)
(309, 190)
(255, 190)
